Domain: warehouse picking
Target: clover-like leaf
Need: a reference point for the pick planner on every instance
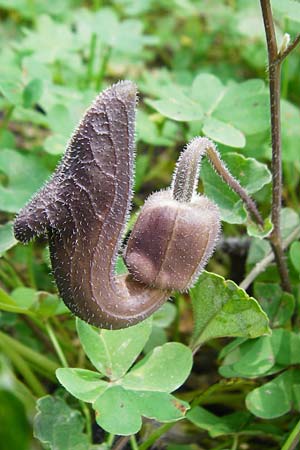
(117, 412)
(113, 352)
(276, 398)
(83, 384)
(59, 426)
(218, 426)
(162, 370)
(226, 113)
(262, 356)
(221, 308)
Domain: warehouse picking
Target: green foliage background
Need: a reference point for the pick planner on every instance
(200, 67)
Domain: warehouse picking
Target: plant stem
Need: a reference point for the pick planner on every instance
(87, 415)
(103, 66)
(263, 264)
(293, 439)
(235, 442)
(275, 59)
(56, 345)
(187, 173)
(156, 435)
(133, 443)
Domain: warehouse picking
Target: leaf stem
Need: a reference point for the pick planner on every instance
(56, 345)
(293, 439)
(275, 59)
(187, 173)
(156, 435)
(133, 443)
(103, 66)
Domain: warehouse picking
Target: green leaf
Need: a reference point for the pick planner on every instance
(276, 398)
(178, 107)
(83, 384)
(163, 370)
(223, 132)
(25, 173)
(218, 426)
(59, 426)
(113, 351)
(245, 106)
(117, 412)
(231, 206)
(278, 305)
(262, 356)
(221, 308)
(7, 239)
(227, 111)
(208, 90)
(169, 410)
(261, 232)
(295, 255)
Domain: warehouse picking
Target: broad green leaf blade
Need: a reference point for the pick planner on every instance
(231, 207)
(160, 406)
(163, 370)
(59, 426)
(117, 412)
(113, 351)
(7, 239)
(178, 106)
(218, 426)
(83, 384)
(245, 106)
(208, 90)
(278, 305)
(221, 308)
(264, 355)
(223, 132)
(276, 398)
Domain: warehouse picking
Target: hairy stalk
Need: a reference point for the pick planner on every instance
(187, 172)
(275, 59)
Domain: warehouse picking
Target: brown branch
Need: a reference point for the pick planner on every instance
(275, 61)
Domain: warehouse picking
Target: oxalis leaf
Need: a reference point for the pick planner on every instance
(226, 113)
(222, 309)
(113, 352)
(276, 398)
(123, 399)
(59, 426)
(265, 355)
